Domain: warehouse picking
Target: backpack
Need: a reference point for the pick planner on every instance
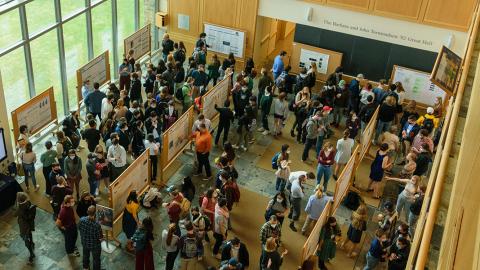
(179, 93)
(291, 105)
(428, 124)
(236, 192)
(189, 247)
(207, 222)
(139, 238)
(275, 160)
(185, 206)
(67, 145)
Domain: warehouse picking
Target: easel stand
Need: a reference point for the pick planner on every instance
(107, 246)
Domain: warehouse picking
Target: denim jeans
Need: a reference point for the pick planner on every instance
(338, 114)
(170, 260)
(93, 184)
(319, 144)
(372, 262)
(412, 223)
(30, 172)
(308, 144)
(326, 172)
(296, 208)
(382, 127)
(280, 184)
(403, 204)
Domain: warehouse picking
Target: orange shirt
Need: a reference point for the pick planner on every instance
(203, 141)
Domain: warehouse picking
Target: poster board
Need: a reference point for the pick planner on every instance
(308, 57)
(216, 95)
(344, 181)
(225, 40)
(104, 216)
(367, 136)
(176, 138)
(135, 177)
(417, 85)
(140, 42)
(96, 71)
(36, 114)
(446, 70)
(310, 246)
(298, 59)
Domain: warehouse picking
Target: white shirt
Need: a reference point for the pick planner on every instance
(197, 123)
(106, 108)
(280, 107)
(364, 95)
(296, 190)
(152, 147)
(295, 175)
(117, 155)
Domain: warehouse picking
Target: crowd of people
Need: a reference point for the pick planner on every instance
(120, 125)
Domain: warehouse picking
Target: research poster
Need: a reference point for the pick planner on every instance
(96, 71)
(37, 114)
(139, 42)
(179, 134)
(216, 95)
(225, 40)
(104, 216)
(321, 59)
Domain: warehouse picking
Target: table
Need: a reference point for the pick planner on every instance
(8, 191)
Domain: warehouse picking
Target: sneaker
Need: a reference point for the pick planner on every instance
(252, 141)
(265, 132)
(244, 148)
(261, 129)
(200, 258)
(75, 253)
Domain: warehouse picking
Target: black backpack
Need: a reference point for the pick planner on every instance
(179, 93)
(428, 124)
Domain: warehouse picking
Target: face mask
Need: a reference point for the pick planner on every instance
(72, 204)
(71, 157)
(244, 88)
(288, 151)
(279, 200)
(398, 246)
(126, 128)
(273, 225)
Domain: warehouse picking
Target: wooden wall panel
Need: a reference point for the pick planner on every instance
(186, 7)
(455, 14)
(405, 8)
(356, 4)
(221, 12)
(247, 20)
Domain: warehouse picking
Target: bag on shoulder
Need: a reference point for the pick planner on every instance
(179, 93)
(189, 247)
(20, 171)
(275, 161)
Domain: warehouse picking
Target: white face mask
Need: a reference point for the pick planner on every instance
(273, 225)
(279, 200)
(71, 157)
(288, 151)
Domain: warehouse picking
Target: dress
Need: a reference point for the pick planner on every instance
(355, 235)
(328, 249)
(344, 150)
(376, 170)
(129, 225)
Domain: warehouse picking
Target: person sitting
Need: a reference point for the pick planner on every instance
(234, 249)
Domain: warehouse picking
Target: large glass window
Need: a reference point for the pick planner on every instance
(46, 68)
(126, 24)
(102, 30)
(10, 29)
(15, 83)
(40, 15)
(142, 13)
(70, 7)
(76, 54)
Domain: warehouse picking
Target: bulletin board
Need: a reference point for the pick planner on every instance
(175, 139)
(135, 177)
(310, 246)
(216, 95)
(140, 42)
(417, 85)
(334, 59)
(37, 113)
(367, 136)
(344, 181)
(225, 40)
(96, 71)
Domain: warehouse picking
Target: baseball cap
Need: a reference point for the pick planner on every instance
(326, 108)
(430, 110)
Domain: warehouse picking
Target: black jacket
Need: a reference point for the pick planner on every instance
(136, 90)
(92, 137)
(243, 256)
(226, 115)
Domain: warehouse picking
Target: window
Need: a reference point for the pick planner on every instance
(46, 68)
(70, 7)
(15, 86)
(40, 15)
(126, 24)
(102, 30)
(10, 29)
(76, 54)
(141, 6)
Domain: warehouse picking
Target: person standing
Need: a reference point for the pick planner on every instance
(355, 230)
(153, 150)
(26, 212)
(106, 106)
(117, 156)
(28, 159)
(296, 196)
(220, 226)
(278, 65)
(189, 245)
(399, 252)
(73, 171)
(265, 105)
(344, 151)
(203, 145)
(59, 190)
(130, 219)
(313, 131)
(327, 242)
(270, 229)
(415, 209)
(226, 118)
(91, 236)
(315, 205)
(47, 159)
(68, 226)
(170, 244)
(271, 258)
(354, 93)
(91, 135)
(93, 173)
(377, 250)
(124, 71)
(386, 115)
(280, 109)
(143, 238)
(93, 101)
(326, 159)
(340, 103)
(379, 165)
(86, 200)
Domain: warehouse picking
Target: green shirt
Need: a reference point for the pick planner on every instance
(266, 103)
(48, 158)
(187, 96)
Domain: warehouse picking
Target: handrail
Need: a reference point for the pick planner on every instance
(438, 189)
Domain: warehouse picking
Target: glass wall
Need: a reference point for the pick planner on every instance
(54, 44)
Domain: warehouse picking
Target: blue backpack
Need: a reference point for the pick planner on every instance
(275, 160)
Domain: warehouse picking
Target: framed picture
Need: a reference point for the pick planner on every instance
(446, 70)
(105, 217)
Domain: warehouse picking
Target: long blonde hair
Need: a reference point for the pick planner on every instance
(359, 217)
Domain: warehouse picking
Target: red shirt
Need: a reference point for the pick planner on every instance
(67, 216)
(326, 160)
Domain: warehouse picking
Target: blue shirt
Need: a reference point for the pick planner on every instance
(315, 206)
(93, 101)
(277, 65)
(375, 248)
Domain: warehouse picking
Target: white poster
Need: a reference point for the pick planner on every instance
(95, 71)
(37, 115)
(321, 59)
(179, 135)
(139, 42)
(183, 22)
(417, 85)
(224, 40)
